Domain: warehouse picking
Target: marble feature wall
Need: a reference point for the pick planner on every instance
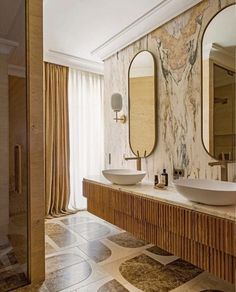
(177, 49)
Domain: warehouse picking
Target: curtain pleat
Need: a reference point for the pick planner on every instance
(56, 140)
(85, 97)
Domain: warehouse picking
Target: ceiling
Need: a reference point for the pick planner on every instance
(77, 27)
(88, 31)
(82, 33)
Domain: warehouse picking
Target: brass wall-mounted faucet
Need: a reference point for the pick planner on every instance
(223, 168)
(138, 158)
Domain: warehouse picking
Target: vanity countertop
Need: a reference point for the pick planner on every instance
(168, 195)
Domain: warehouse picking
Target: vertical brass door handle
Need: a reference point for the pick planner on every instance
(18, 168)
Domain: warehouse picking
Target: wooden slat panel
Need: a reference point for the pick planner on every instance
(204, 240)
(35, 132)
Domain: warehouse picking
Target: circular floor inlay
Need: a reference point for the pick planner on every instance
(96, 250)
(60, 235)
(60, 261)
(148, 274)
(52, 228)
(68, 276)
(90, 230)
(126, 239)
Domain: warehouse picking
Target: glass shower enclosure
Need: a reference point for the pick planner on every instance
(13, 146)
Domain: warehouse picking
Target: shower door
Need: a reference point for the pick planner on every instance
(13, 146)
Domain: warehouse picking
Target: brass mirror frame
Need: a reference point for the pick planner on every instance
(155, 99)
(227, 6)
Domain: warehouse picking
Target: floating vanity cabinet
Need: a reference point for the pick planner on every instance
(200, 238)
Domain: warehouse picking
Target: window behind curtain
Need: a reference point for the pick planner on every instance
(86, 131)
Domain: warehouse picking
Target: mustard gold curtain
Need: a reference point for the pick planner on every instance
(56, 140)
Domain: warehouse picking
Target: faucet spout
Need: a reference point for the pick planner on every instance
(223, 168)
(138, 159)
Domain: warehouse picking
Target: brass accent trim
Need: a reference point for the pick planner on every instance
(138, 160)
(223, 168)
(203, 33)
(122, 118)
(155, 101)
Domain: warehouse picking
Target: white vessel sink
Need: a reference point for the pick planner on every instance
(124, 176)
(209, 192)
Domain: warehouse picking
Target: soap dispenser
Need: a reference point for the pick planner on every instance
(164, 177)
(156, 180)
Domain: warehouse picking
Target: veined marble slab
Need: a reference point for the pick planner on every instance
(176, 47)
(168, 195)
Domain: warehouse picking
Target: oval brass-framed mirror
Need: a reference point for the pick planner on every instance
(218, 85)
(142, 104)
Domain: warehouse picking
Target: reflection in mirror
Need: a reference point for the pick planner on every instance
(142, 104)
(218, 85)
(13, 147)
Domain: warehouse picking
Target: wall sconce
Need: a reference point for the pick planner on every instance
(116, 105)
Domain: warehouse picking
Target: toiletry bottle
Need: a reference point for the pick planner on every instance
(164, 177)
(156, 180)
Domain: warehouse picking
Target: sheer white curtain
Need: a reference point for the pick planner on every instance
(86, 131)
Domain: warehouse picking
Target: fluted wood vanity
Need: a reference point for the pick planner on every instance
(202, 235)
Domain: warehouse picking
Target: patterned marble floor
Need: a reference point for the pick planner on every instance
(85, 253)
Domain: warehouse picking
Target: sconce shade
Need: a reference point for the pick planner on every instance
(116, 102)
